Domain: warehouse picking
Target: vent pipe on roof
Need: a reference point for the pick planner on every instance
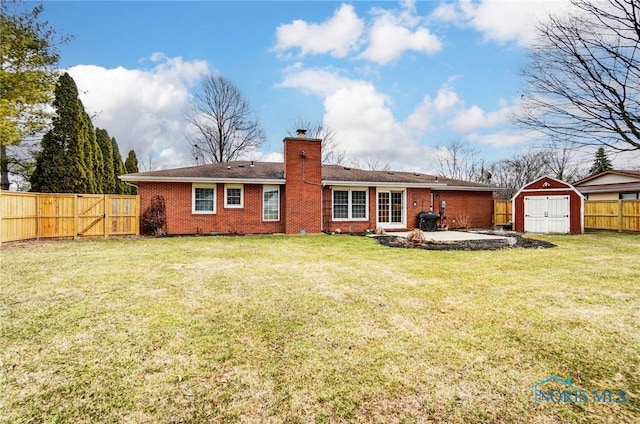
(301, 133)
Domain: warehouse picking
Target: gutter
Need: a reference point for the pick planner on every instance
(273, 181)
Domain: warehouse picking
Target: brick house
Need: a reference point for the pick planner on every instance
(302, 195)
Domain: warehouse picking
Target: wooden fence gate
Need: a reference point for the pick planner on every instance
(25, 216)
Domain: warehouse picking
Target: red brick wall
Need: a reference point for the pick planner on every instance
(477, 205)
(180, 220)
(303, 187)
(422, 199)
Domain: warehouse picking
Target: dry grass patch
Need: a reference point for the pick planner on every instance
(315, 329)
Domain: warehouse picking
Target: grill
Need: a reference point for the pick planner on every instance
(428, 220)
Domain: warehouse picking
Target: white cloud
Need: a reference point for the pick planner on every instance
(142, 109)
(320, 82)
(504, 138)
(499, 20)
(392, 34)
(363, 121)
(473, 118)
(361, 116)
(446, 100)
(337, 35)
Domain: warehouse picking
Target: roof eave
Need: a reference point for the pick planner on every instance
(435, 186)
(383, 184)
(142, 178)
(473, 188)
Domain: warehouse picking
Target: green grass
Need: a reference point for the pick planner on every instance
(315, 329)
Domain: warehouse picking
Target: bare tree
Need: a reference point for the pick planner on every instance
(520, 169)
(330, 152)
(583, 76)
(562, 161)
(223, 122)
(461, 161)
(377, 163)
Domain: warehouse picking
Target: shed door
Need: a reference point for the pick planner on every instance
(546, 214)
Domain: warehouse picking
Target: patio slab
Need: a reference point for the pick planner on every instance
(450, 235)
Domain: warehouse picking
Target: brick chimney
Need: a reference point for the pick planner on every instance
(303, 184)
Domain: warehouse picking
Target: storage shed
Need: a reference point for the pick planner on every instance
(548, 205)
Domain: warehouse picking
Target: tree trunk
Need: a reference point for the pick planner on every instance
(4, 168)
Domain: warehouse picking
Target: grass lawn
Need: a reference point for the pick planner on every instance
(317, 329)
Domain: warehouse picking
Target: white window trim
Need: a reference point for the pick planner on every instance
(270, 187)
(350, 204)
(241, 187)
(193, 199)
(402, 224)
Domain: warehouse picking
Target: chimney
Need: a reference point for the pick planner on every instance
(302, 210)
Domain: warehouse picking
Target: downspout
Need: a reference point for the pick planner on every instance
(321, 206)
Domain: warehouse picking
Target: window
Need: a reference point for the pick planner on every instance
(204, 199)
(233, 196)
(626, 196)
(340, 204)
(350, 204)
(271, 203)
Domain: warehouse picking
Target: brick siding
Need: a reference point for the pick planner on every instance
(303, 188)
(181, 220)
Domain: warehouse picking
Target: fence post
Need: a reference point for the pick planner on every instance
(105, 215)
(76, 216)
(620, 216)
(37, 216)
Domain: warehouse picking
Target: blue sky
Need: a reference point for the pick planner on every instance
(396, 81)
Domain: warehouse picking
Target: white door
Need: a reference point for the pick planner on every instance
(391, 209)
(546, 214)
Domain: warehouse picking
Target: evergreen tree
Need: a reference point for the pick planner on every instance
(89, 154)
(118, 168)
(131, 166)
(109, 182)
(50, 165)
(28, 56)
(601, 163)
(60, 166)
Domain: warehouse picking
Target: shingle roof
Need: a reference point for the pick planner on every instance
(621, 172)
(239, 170)
(272, 171)
(613, 188)
(341, 173)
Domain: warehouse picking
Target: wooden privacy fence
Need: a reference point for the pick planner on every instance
(614, 215)
(501, 212)
(25, 216)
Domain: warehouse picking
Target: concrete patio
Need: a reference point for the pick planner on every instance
(450, 235)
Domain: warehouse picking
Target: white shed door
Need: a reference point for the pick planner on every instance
(546, 214)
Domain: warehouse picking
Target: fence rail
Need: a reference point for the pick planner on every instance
(25, 216)
(613, 215)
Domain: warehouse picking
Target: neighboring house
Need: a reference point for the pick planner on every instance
(303, 196)
(610, 185)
